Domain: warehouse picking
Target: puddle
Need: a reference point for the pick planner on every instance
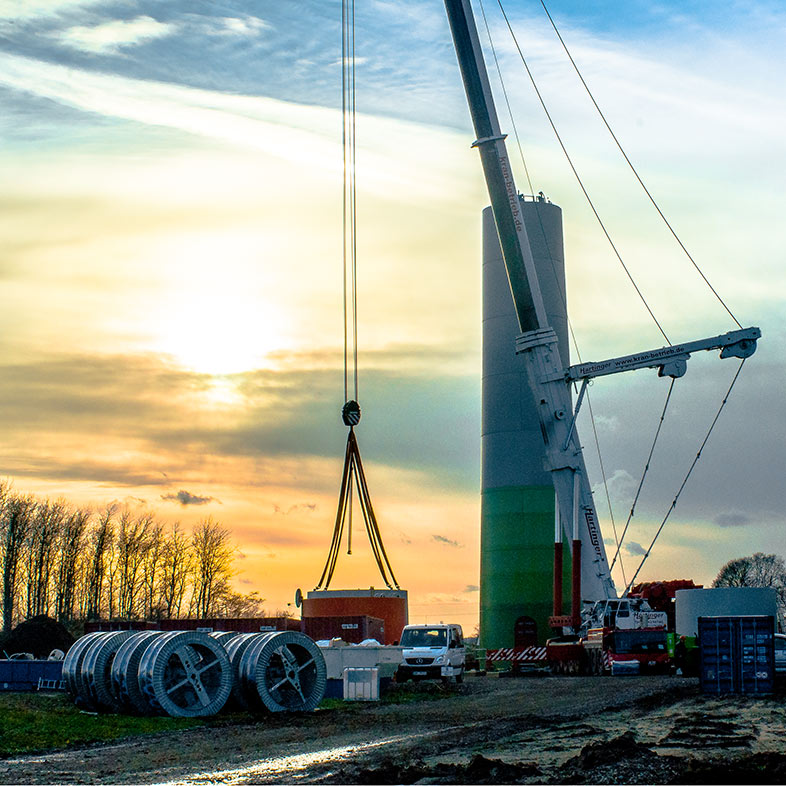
(285, 765)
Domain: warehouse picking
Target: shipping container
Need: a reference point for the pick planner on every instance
(111, 625)
(352, 629)
(239, 624)
(388, 605)
(26, 675)
(737, 654)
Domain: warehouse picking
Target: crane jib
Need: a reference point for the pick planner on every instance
(503, 194)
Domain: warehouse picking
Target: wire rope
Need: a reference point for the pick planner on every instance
(349, 201)
(633, 168)
(685, 479)
(554, 270)
(579, 180)
(644, 473)
(507, 100)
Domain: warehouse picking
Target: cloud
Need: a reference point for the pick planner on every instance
(250, 26)
(187, 498)
(446, 541)
(472, 588)
(621, 487)
(732, 518)
(306, 506)
(30, 9)
(636, 549)
(111, 37)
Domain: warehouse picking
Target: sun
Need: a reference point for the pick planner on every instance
(214, 313)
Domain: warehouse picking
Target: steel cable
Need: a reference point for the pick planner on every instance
(644, 474)
(579, 179)
(556, 277)
(685, 479)
(633, 168)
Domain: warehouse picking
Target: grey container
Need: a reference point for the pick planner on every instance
(737, 654)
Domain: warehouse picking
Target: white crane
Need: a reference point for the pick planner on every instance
(548, 379)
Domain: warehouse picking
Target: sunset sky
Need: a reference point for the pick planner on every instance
(171, 300)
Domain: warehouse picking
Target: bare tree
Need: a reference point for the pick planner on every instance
(175, 570)
(43, 535)
(15, 524)
(152, 571)
(70, 543)
(98, 555)
(235, 604)
(212, 553)
(132, 541)
(758, 570)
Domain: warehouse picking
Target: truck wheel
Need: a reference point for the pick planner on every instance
(460, 676)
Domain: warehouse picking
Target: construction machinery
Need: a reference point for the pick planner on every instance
(551, 382)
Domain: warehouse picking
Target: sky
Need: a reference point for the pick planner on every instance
(171, 301)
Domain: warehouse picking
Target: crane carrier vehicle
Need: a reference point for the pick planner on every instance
(611, 629)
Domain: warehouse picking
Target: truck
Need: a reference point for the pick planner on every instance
(432, 652)
(622, 635)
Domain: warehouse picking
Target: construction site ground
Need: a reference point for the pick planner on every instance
(536, 729)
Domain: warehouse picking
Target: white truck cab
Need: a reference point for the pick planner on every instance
(432, 652)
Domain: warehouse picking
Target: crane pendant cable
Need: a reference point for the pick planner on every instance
(353, 477)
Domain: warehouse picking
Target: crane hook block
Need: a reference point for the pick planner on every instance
(350, 413)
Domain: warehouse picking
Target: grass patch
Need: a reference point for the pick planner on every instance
(33, 722)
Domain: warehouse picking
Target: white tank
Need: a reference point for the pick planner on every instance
(721, 602)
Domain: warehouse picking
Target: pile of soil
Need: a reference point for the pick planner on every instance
(619, 760)
(479, 770)
(753, 768)
(39, 635)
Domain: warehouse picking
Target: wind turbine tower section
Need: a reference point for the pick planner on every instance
(517, 494)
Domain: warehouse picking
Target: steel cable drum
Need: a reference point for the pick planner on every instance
(223, 636)
(235, 649)
(283, 672)
(95, 676)
(125, 669)
(185, 674)
(72, 663)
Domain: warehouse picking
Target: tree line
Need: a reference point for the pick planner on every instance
(73, 563)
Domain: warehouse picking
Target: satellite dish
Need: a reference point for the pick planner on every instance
(298, 597)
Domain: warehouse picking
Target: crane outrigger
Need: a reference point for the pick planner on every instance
(575, 519)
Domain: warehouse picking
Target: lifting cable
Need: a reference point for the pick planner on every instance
(644, 474)
(633, 168)
(685, 479)
(578, 177)
(619, 540)
(354, 474)
(556, 278)
(353, 477)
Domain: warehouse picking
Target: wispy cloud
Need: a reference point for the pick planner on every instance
(114, 36)
(250, 26)
(187, 498)
(733, 518)
(446, 541)
(30, 9)
(308, 507)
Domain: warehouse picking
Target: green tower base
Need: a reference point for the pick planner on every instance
(517, 562)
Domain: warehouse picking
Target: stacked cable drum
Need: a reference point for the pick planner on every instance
(191, 674)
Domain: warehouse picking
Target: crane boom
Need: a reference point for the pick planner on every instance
(504, 197)
(549, 381)
(545, 373)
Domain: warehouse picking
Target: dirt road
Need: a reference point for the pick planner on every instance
(529, 730)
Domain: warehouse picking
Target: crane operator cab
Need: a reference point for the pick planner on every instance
(623, 614)
(432, 652)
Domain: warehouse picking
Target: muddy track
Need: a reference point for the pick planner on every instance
(487, 730)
